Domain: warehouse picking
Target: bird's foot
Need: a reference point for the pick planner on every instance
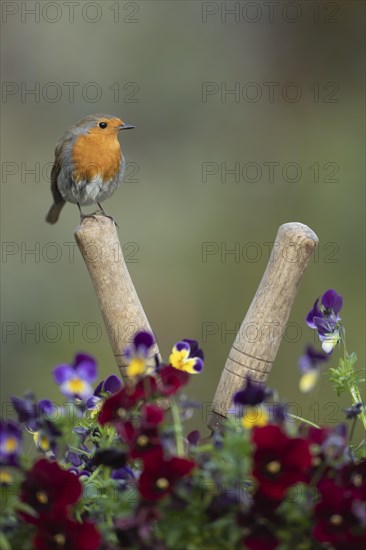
(106, 215)
(83, 216)
(113, 220)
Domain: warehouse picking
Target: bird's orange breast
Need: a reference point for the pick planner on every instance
(94, 156)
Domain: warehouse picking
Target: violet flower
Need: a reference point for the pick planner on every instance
(249, 404)
(253, 393)
(105, 388)
(353, 411)
(309, 365)
(187, 356)
(10, 442)
(75, 380)
(31, 413)
(325, 319)
(138, 353)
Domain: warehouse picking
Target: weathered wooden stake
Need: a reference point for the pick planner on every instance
(121, 308)
(257, 342)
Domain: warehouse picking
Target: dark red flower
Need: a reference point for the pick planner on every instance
(61, 533)
(151, 415)
(132, 530)
(263, 507)
(260, 539)
(279, 461)
(194, 437)
(353, 476)
(171, 380)
(160, 474)
(336, 519)
(116, 407)
(260, 522)
(226, 499)
(328, 444)
(49, 489)
(145, 437)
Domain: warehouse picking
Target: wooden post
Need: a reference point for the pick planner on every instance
(257, 342)
(121, 308)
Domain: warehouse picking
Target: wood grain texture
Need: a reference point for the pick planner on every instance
(121, 308)
(258, 339)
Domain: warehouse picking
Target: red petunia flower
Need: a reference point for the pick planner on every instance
(49, 489)
(261, 539)
(337, 522)
(328, 445)
(138, 529)
(116, 407)
(260, 523)
(61, 533)
(353, 476)
(171, 380)
(160, 474)
(279, 461)
(145, 437)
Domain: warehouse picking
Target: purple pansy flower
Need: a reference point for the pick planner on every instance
(353, 411)
(31, 413)
(105, 388)
(75, 380)
(252, 394)
(45, 438)
(194, 437)
(36, 416)
(311, 359)
(138, 353)
(124, 473)
(329, 444)
(325, 319)
(249, 404)
(10, 442)
(124, 478)
(79, 458)
(332, 302)
(79, 473)
(278, 412)
(83, 434)
(187, 356)
(309, 365)
(73, 458)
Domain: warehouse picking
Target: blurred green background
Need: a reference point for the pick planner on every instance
(147, 62)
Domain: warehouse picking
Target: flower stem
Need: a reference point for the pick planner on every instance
(352, 429)
(93, 475)
(356, 396)
(353, 387)
(178, 429)
(301, 419)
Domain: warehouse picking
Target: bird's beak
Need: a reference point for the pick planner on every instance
(126, 127)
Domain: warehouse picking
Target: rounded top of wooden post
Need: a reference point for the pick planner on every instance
(298, 230)
(97, 224)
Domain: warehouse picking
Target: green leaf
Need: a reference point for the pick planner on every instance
(352, 359)
(4, 543)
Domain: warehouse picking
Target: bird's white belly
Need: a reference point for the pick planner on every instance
(88, 192)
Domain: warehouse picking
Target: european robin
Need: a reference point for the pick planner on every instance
(89, 164)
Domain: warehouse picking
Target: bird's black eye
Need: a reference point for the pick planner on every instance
(103, 125)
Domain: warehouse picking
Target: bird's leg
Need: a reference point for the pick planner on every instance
(83, 216)
(106, 215)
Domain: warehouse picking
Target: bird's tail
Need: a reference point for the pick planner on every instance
(54, 212)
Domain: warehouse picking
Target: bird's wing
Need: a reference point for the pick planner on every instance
(64, 143)
(57, 197)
